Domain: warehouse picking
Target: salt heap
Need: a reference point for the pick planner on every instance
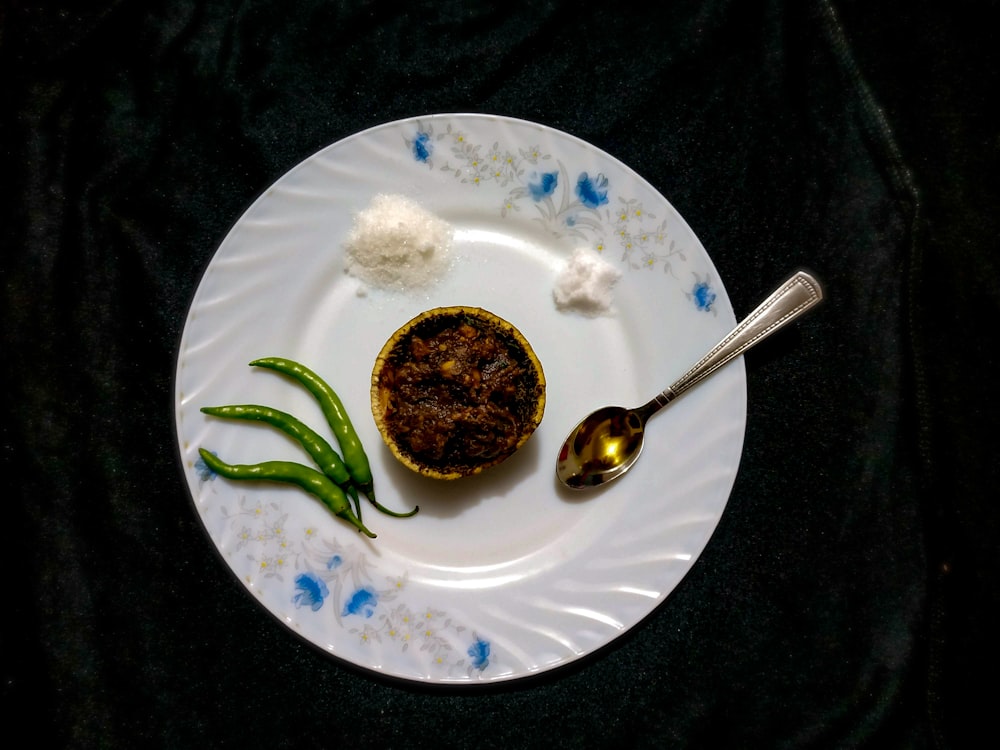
(397, 244)
(585, 284)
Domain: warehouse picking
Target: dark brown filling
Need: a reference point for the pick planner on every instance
(461, 393)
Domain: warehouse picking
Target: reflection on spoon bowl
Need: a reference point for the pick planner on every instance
(605, 445)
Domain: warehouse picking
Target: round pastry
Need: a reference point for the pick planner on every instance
(456, 390)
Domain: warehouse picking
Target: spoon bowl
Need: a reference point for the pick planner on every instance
(608, 442)
(602, 447)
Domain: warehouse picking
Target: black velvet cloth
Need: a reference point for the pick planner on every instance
(847, 597)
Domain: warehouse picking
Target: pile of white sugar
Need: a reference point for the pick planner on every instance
(397, 244)
(585, 284)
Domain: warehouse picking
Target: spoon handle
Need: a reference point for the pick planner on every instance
(786, 303)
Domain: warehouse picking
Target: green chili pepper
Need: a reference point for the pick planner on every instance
(326, 458)
(288, 472)
(355, 457)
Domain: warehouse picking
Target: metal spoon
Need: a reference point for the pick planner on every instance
(607, 443)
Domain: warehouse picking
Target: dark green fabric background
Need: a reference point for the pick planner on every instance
(846, 599)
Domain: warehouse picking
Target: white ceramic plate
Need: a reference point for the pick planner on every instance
(506, 574)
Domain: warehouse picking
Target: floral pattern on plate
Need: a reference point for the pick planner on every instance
(326, 578)
(570, 204)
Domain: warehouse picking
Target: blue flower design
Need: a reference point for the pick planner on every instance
(543, 185)
(310, 591)
(479, 652)
(334, 562)
(592, 191)
(205, 472)
(362, 602)
(422, 147)
(703, 296)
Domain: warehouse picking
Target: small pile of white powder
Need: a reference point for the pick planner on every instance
(397, 244)
(585, 284)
